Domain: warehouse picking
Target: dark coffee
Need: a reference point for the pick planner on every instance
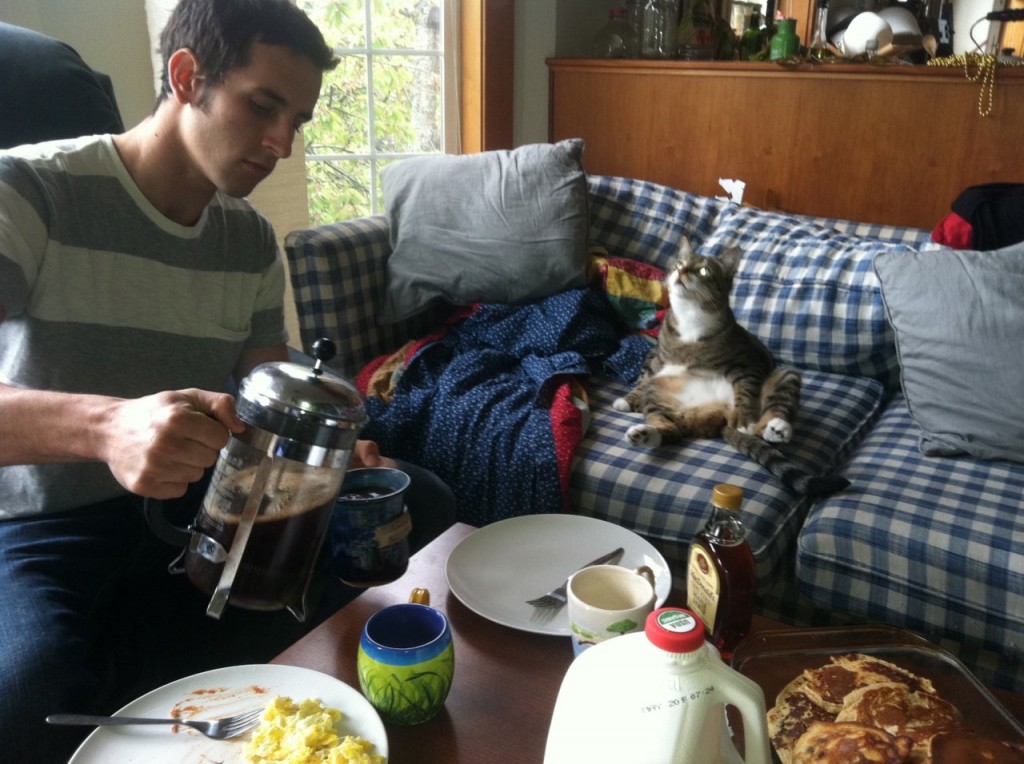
(282, 545)
(363, 492)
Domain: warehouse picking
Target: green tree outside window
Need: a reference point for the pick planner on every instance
(383, 102)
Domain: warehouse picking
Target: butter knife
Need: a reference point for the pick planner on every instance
(556, 597)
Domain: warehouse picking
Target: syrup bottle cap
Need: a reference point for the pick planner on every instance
(727, 496)
(675, 630)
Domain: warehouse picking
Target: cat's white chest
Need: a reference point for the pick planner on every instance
(695, 389)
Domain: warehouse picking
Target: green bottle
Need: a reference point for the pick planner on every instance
(785, 43)
(753, 40)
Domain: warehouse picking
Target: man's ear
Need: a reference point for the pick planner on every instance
(184, 76)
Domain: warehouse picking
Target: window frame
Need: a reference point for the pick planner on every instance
(487, 42)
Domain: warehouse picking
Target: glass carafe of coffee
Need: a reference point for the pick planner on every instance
(256, 538)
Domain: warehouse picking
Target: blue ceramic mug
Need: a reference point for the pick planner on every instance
(406, 660)
(370, 527)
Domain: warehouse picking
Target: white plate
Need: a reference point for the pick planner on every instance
(222, 692)
(495, 569)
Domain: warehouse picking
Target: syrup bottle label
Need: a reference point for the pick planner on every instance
(703, 586)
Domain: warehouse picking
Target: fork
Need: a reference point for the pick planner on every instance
(556, 597)
(218, 729)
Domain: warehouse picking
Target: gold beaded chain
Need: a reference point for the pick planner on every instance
(978, 68)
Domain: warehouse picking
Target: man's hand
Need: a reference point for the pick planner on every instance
(367, 454)
(154, 446)
(159, 444)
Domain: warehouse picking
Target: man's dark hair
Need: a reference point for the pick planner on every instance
(221, 34)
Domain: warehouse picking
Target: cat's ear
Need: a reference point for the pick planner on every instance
(685, 249)
(730, 260)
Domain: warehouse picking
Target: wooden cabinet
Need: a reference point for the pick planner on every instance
(888, 143)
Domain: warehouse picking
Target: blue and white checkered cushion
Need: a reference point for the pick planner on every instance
(806, 288)
(664, 493)
(931, 544)
(338, 275)
(647, 221)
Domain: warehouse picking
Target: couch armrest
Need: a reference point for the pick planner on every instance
(338, 276)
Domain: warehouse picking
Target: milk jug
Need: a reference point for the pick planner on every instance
(656, 697)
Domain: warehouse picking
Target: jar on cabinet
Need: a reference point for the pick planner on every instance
(785, 43)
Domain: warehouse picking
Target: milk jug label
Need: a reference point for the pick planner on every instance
(677, 621)
(702, 586)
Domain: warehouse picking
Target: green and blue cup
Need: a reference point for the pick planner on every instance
(406, 661)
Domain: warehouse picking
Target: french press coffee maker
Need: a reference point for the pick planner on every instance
(258, 532)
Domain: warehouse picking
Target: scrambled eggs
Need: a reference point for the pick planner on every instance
(305, 733)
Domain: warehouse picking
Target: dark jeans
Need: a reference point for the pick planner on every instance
(90, 618)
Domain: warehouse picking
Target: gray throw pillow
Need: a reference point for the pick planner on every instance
(959, 323)
(498, 226)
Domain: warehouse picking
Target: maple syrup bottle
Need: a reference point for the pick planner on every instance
(721, 577)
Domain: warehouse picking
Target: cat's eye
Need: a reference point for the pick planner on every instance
(703, 271)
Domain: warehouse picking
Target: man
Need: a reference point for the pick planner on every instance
(134, 282)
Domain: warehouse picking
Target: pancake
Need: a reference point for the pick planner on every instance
(958, 747)
(829, 685)
(849, 743)
(792, 714)
(893, 707)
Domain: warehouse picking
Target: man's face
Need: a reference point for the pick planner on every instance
(237, 130)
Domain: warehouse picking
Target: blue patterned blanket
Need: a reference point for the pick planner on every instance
(493, 402)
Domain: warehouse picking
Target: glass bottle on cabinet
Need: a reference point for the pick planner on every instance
(817, 48)
(615, 39)
(660, 22)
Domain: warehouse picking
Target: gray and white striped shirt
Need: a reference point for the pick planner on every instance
(101, 293)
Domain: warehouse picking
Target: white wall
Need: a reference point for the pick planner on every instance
(534, 42)
(965, 14)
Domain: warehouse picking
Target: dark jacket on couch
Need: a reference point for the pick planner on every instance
(48, 92)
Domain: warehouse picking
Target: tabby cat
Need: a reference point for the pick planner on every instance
(709, 377)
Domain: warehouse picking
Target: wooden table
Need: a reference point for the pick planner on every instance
(506, 681)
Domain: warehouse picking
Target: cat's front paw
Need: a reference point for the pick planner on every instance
(621, 404)
(777, 430)
(643, 435)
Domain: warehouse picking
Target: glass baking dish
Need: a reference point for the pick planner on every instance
(774, 658)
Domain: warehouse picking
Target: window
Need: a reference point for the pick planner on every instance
(386, 100)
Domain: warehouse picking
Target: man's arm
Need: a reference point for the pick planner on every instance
(155, 446)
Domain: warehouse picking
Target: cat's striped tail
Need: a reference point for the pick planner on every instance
(776, 462)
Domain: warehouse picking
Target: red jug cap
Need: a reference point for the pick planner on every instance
(674, 629)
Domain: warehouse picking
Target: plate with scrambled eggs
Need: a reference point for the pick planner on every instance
(309, 718)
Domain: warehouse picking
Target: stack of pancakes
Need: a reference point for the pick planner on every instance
(859, 708)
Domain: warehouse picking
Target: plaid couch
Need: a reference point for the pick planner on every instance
(930, 544)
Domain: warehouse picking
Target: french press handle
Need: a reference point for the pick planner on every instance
(163, 529)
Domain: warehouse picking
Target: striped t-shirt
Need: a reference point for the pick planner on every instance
(101, 293)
